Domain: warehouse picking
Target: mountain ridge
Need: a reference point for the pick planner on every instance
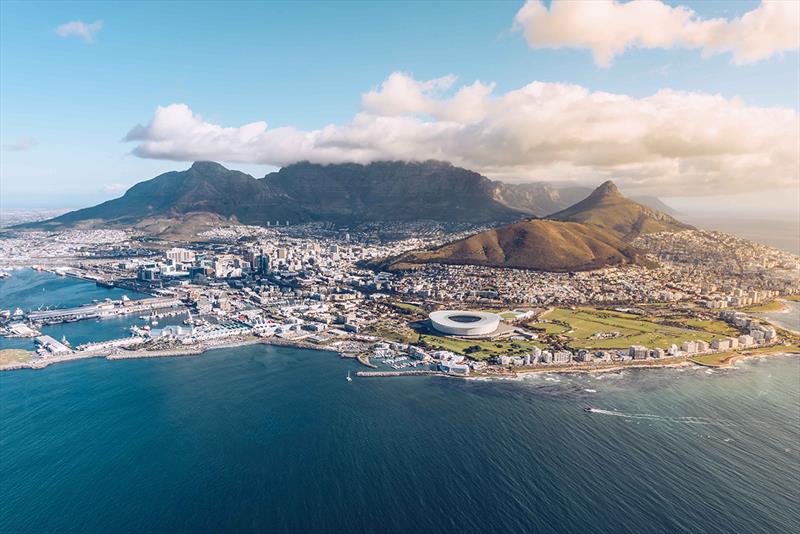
(578, 238)
(342, 193)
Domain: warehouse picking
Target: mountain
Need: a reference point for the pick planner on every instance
(593, 233)
(656, 203)
(391, 191)
(208, 194)
(538, 198)
(542, 199)
(606, 208)
(303, 192)
(205, 187)
(532, 244)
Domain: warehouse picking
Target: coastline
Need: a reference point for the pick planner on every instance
(728, 359)
(785, 309)
(174, 352)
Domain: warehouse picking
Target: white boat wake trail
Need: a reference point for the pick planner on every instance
(653, 417)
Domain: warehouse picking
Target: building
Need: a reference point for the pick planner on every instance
(637, 352)
(464, 323)
(454, 368)
(689, 347)
(48, 345)
(702, 346)
(721, 344)
(562, 356)
(180, 255)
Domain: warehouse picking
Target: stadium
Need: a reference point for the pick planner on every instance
(464, 323)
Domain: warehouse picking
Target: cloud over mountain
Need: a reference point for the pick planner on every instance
(608, 28)
(670, 142)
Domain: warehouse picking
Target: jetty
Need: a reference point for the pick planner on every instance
(399, 373)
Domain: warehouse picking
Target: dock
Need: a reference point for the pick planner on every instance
(398, 373)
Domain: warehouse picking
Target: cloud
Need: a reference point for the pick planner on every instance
(77, 28)
(608, 28)
(668, 143)
(115, 188)
(22, 145)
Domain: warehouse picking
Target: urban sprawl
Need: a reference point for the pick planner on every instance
(311, 285)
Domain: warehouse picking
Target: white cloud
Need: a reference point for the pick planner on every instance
(667, 143)
(608, 28)
(22, 145)
(77, 28)
(115, 188)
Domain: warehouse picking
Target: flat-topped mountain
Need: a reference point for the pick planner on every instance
(391, 191)
(592, 233)
(345, 193)
(304, 192)
(608, 209)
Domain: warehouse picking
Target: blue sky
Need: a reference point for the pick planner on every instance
(304, 65)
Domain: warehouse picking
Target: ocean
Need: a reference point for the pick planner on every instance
(262, 438)
(780, 233)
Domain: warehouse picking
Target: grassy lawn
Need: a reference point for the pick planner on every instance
(404, 335)
(508, 315)
(9, 356)
(715, 327)
(771, 306)
(633, 329)
(488, 348)
(549, 328)
(793, 298)
(724, 357)
(409, 308)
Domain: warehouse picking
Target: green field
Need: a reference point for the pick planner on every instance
(400, 335)
(409, 308)
(634, 329)
(722, 358)
(715, 327)
(549, 328)
(485, 348)
(771, 306)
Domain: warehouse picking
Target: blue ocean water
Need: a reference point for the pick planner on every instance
(269, 439)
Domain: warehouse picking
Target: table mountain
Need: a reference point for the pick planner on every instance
(304, 192)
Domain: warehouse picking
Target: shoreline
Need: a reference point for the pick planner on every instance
(786, 308)
(198, 350)
(173, 352)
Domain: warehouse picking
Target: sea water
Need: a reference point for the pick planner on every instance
(274, 439)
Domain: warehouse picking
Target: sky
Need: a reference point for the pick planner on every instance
(696, 102)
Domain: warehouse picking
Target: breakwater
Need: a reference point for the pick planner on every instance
(398, 373)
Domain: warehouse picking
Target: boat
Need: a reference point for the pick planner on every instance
(588, 409)
(349, 378)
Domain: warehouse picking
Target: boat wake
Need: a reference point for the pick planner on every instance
(653, 417)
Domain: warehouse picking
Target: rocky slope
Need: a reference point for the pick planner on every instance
(606, 208)
(593, 233)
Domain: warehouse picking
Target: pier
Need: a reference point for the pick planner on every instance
(398, 373)
(104, 309)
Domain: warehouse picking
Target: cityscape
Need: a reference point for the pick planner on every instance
(385, 267)
(291, 285)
